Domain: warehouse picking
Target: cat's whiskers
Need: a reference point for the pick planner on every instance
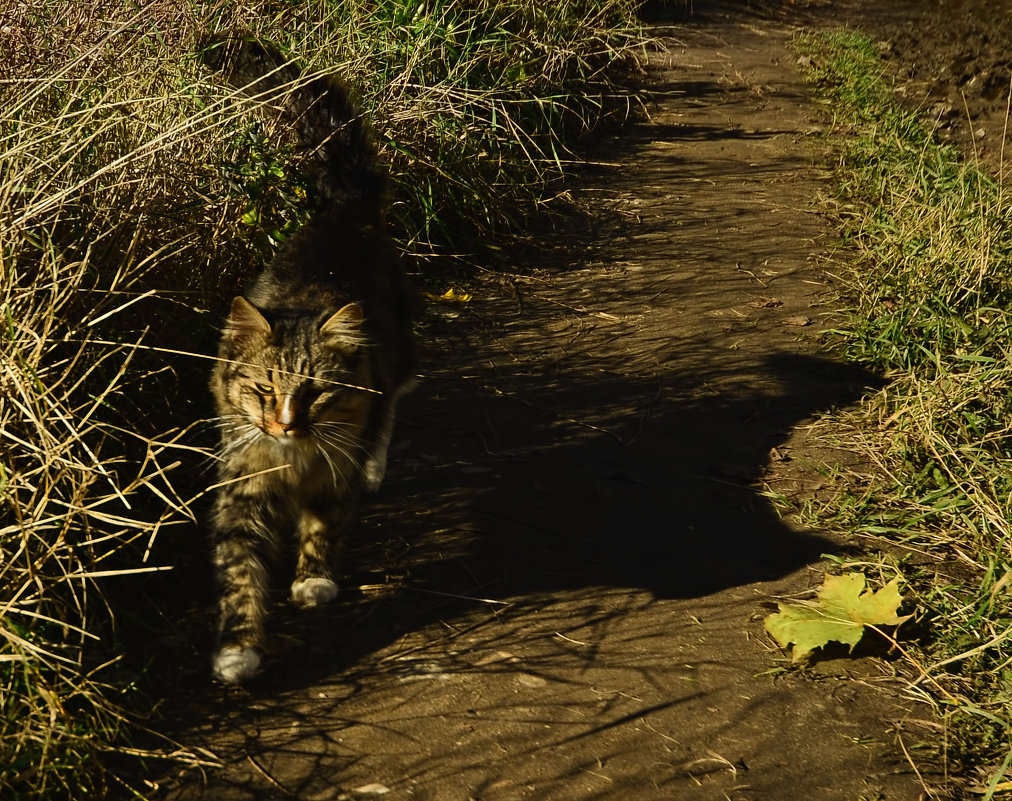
(334, 471)
(228, 421)
(325, 438)
(334, 429)
(241, 435)
(343, 445)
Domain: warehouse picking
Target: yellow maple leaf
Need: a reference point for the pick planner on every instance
(842, 612)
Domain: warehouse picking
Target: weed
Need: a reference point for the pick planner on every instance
(929, 290)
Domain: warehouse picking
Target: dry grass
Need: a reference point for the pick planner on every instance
(86, 491)
(930, 290)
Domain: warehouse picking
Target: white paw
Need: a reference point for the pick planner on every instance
(313, 591)
(235, 664)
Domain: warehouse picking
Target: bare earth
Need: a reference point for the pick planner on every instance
(559, 593)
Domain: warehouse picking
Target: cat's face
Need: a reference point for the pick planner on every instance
(294, 380)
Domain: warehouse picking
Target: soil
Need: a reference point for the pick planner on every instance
(952, 63)
(559, 593)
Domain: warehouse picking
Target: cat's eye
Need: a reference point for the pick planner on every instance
(263, 388)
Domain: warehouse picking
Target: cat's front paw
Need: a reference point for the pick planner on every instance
(313, 591)
(235, 664)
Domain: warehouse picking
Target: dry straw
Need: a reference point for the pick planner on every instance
(930, 289)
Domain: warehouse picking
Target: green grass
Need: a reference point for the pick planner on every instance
(927, 260)
(136, 196)
(474, 102)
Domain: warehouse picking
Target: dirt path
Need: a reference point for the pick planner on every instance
(570, 563)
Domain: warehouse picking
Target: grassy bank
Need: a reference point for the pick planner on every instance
(135, 197)
(927, 262)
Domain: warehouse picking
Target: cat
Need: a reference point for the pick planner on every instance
(312, 362)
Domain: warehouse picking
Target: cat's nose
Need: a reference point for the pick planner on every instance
(285, 413)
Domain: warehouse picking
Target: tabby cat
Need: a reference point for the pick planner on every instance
(311, 364)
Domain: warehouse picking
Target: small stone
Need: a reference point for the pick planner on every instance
(375, 788)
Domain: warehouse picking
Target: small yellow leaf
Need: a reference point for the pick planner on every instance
(451, 295)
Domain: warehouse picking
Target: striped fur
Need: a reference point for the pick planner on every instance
(312, 362)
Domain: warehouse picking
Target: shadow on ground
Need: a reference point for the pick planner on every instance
(519, 499)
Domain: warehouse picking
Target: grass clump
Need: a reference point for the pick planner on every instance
(475, 103)
(929, 288)
(135, 196)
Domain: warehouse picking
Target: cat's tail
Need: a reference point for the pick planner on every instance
(319, 107)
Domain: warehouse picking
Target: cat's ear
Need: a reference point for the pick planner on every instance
(246, 320)
(345, 323)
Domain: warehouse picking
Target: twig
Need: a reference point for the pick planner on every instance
(263, 772)
(913, 766)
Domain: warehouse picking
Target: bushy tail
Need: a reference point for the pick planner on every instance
(325, 120)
